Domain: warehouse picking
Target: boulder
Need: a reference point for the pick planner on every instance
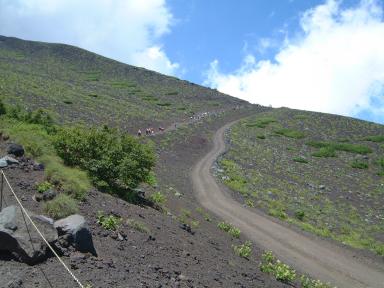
(9, 160)
(76, 230)
(3, 163)
(49, 194)
(15, 239)
(15, 149)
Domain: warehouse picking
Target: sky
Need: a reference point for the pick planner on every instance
(318, 55)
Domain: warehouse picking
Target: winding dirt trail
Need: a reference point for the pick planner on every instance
(319, 258)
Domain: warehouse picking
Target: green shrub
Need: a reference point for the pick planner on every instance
(119, 160)
(43, 186)
(307, 282)
(290, 133)
(243, 250)
(138, 226)
(300, 215)
(300, 160)
(260, 136)
(282, 272)
(230, 229)
(204, 214)
(110, 222)
(359, 164)
(250, 203)
(158, 198)
(380, 163)
(60, 207)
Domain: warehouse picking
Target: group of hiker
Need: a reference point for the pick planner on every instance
(149, 131)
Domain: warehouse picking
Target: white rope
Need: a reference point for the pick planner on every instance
(41, 235)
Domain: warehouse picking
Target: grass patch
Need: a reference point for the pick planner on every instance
(300, 160)
(325, 152)
(172, 93)
(359, 164)
(167, 104)
(260, 136)
(93, 95)
(290, 133)
(68, 102)
(375, 138)
(138, 226)
(346, 147)
(261, 122)
(236, 181)
(61, 207)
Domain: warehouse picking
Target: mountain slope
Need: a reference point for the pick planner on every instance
(80, 85)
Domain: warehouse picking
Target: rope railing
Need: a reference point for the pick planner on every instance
(4, 177)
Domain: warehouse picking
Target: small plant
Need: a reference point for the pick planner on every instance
(380, 163)
(243, 250)
(110, 222)
(359, 164)
(300, 160)
(230, 229)
(375, 138)
(60, 207)
(138, 226)
(261, 122)
(260, 136)
(204, 214)
(2, 107)
(43, 186)
(300, 215)
(307, 282)
(158, 198)
(250, 203)
(195, 224)
(282, 272)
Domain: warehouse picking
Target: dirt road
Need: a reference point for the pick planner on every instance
(319, 258)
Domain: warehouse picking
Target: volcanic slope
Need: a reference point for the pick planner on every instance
(78, 84)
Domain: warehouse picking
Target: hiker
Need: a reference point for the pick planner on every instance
(139, 133)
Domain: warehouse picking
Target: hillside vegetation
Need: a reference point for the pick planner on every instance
(321, 172)
(77, 84)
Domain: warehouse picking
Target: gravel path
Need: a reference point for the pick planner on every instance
(319, 258)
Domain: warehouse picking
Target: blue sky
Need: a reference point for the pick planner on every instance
(306, 54)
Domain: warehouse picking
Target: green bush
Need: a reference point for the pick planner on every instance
(110, 222)
(119, 160)
(282, 272)
(230, 229)
(300, 215)
(307, 282)
(261, 122)
(43, 186)
(346, 147)
(243, 250)
(60, 207)
(158, 198)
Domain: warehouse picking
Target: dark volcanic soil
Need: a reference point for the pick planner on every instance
(167, 256)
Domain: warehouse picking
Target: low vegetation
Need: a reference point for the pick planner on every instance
(158, 198)
(290, 133)
(61, 206)
(282, 272)
(110, 222)
(230, 229)
(138, 226)
(43, 186)
(243, 250)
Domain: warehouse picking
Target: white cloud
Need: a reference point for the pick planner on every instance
(334, 66)
(119, 29)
